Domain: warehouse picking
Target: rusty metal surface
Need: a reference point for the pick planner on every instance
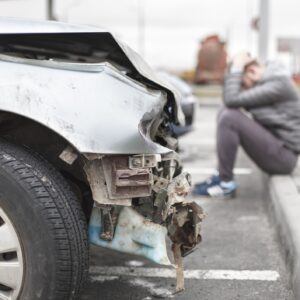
(184, 231)
(184, 226)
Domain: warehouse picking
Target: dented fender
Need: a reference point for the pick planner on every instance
(97, 112)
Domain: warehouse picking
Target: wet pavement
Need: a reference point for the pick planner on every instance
(237, 237)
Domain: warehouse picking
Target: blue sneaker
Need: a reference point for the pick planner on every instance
(214, 187)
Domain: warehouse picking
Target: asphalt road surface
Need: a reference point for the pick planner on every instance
(239, 257)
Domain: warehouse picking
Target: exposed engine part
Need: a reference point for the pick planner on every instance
(171, 142)
(171, 156)
(123, 182)
(145, 207)
(133, 178)
(161, 183)
(179, 268)
(159, 207)
(177, 191)
(115, 180)
(109, 221)
(184, 231)
(184, 226)
(144, 161)
(96, 179)
(159, 203)
(174, 164)
(164, 136)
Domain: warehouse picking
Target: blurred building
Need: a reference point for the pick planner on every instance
(165, 32)
(212, 59)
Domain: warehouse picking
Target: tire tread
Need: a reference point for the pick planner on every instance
(60, 208)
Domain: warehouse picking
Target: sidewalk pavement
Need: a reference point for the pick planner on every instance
(285, 210)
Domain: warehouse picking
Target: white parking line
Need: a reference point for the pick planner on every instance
(154, 290)
(208, 171)
(262, 275)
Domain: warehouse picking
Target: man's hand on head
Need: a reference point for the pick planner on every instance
(240, 60)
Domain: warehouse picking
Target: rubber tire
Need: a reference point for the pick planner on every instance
(49, 222)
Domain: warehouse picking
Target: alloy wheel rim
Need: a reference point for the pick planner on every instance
(11, 259)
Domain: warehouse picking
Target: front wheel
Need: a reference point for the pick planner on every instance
(43, 236)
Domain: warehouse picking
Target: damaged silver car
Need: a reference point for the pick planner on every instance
(86, 156)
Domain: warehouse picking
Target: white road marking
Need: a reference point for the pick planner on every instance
(134, 263)
(153, 289)
(210, 171)
(262, 275)
(103, 278)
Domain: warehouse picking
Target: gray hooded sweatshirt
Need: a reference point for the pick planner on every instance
(274, 102)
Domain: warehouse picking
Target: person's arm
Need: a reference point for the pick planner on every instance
(266, 93)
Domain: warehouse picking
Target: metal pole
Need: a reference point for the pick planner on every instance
(263, 43)
(141, 27)
(50, 6)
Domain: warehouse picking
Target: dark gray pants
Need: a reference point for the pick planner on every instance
(267, 151)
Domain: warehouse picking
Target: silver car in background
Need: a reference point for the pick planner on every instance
(187, 102)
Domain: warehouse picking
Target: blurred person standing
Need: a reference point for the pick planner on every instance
(270, 135)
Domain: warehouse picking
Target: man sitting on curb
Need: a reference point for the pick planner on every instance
(271, 138)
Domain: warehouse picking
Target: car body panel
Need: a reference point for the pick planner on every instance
(128, 55)
(82, 104)
(134, 234)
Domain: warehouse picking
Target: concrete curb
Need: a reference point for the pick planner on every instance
(285, 206)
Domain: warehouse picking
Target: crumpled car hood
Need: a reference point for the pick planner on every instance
(130, 57)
